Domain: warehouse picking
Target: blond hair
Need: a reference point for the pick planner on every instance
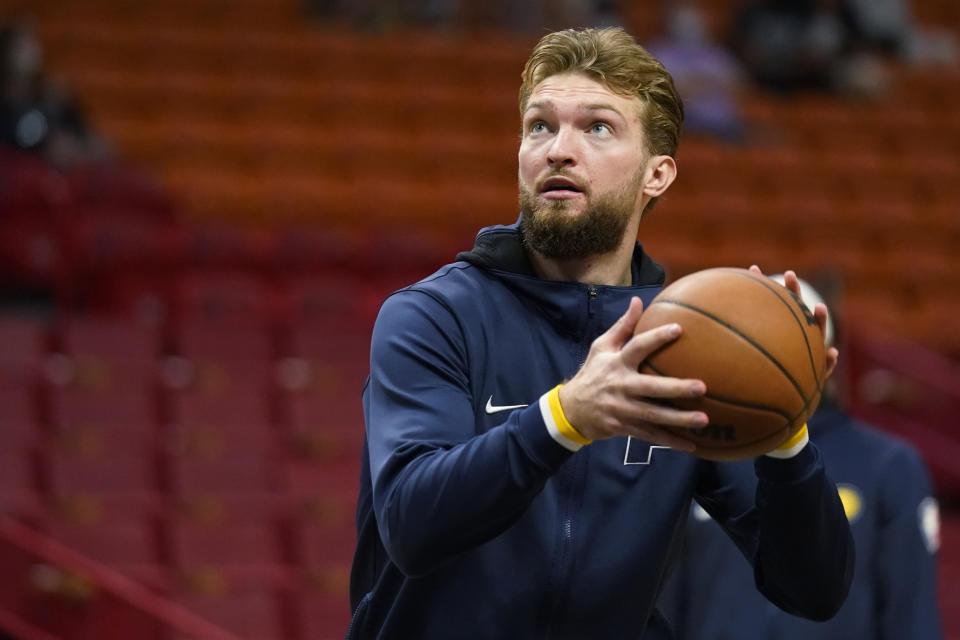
(612, 56)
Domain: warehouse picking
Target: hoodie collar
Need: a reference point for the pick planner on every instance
(571, 306)
(500, 247)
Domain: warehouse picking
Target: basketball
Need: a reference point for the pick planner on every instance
(757, 348)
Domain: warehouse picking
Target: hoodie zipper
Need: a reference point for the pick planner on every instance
(571, 480)
(572, 487)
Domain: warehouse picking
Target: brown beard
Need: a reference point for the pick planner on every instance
(548, 229)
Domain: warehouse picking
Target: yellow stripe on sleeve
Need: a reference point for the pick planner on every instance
(793, 446)
(566, 429)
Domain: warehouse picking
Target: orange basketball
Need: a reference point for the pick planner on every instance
(755, 345)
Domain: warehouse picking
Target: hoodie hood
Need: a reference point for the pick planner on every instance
(500, 248)
(573, 307)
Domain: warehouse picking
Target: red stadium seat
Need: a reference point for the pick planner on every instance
(119, 264)
(226, 298)
(246, 546)
(128, 479)
(324, 554)
(328, 299)
(248, 474)
(119, 188)
(249, 607)
(99, 406)
(125, 539)
(25, 342)
(19, 415)
(30, 187)
(227, 248)
(222, 340)
(226, 409)
(111, 337)
(323, 606)
(307, 250)
(19, 492)
(949, 570)
(230, 561)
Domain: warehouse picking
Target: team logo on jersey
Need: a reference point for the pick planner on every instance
(852, 501)
(639, 452)
(928, 512)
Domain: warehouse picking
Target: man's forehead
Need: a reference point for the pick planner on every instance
(586, 91)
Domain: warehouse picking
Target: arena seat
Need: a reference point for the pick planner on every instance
(113, 534)
(249, 609)
(949, 572)
(20, 494)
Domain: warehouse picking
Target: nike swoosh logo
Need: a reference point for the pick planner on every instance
(492, 408)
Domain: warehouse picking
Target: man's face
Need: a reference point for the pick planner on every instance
(582, 167)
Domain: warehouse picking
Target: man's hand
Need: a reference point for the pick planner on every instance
(819, 312)
(608, 397)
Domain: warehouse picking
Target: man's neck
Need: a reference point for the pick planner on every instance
(612, 268)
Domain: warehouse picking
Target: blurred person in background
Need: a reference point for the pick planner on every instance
(39, 114)
(888, 498)
(839, 46)
(887, 27)
(797, 45)
(708, 77)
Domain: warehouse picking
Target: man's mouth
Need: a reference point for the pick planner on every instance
(559, 187)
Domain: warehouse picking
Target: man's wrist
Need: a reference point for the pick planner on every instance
(793, 446)
(557, 424)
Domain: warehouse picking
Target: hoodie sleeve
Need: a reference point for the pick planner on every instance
(805, 554)
(441, 486)
(793, 530)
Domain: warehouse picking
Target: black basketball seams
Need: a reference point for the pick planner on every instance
(803, 331)
(735, 403)
(776, 291)
(731, 401)
(746, 338)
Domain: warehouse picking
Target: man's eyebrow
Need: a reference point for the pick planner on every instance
(596, 106)
(603, 106)
(538, 105)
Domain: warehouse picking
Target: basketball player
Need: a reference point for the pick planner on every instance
(496, 500)
(886, 492)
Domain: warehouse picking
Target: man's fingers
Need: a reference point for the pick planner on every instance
(643, 344)
(820, 313)
(792, 282)
(651, 413)
(658, 436)
(654, 386)
(622, 329)
(833, 357)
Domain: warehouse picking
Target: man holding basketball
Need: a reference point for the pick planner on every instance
(497, 501)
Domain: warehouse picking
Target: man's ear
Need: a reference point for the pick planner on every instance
(661, 172)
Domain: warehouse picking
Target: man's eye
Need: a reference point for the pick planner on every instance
(599, 127)
(538, 127)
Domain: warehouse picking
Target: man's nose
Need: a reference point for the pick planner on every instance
(563, 149)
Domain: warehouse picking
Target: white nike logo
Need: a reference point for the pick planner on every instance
(491, 408)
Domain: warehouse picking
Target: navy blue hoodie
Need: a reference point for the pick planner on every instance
(476, 521)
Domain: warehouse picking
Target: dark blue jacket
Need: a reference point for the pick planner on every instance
(475, 523)
(887, 494)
